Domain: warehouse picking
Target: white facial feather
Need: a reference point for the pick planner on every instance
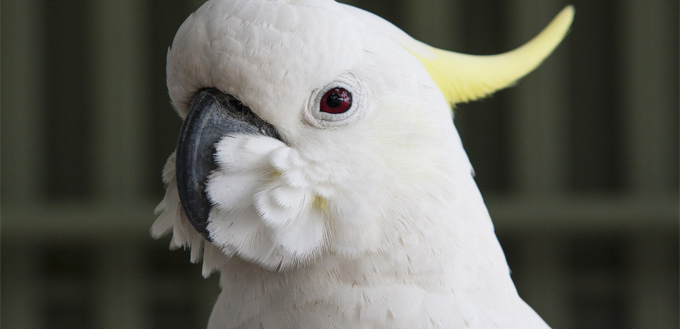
(260, 213)
(371, 220)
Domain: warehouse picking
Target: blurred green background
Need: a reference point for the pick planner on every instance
(578, 163)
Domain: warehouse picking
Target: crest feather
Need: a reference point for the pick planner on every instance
(463, 78)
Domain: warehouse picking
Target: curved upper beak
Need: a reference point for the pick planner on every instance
(212, 116)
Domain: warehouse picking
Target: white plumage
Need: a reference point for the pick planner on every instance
(367, 219)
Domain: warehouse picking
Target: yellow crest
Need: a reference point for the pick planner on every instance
(462, 78)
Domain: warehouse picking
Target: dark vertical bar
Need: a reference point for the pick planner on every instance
(673, 110)
(68, 100)
(602, 261)
(483, 124)
(67, 265)
(596, 152)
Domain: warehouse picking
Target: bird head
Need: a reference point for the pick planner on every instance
(313, 127)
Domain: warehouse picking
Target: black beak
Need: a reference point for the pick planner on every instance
(212, 116)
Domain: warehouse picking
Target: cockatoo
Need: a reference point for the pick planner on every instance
(319, 171)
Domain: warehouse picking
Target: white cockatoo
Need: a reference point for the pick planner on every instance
(319, 171)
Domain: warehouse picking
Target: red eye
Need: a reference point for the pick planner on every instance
(336, 101)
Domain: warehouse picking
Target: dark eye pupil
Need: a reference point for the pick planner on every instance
(334, 100)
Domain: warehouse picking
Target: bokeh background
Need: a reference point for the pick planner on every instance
(578, 162)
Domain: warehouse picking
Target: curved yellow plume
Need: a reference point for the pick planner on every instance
(462, 78)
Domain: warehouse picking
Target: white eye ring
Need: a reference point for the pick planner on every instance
(320, 119)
